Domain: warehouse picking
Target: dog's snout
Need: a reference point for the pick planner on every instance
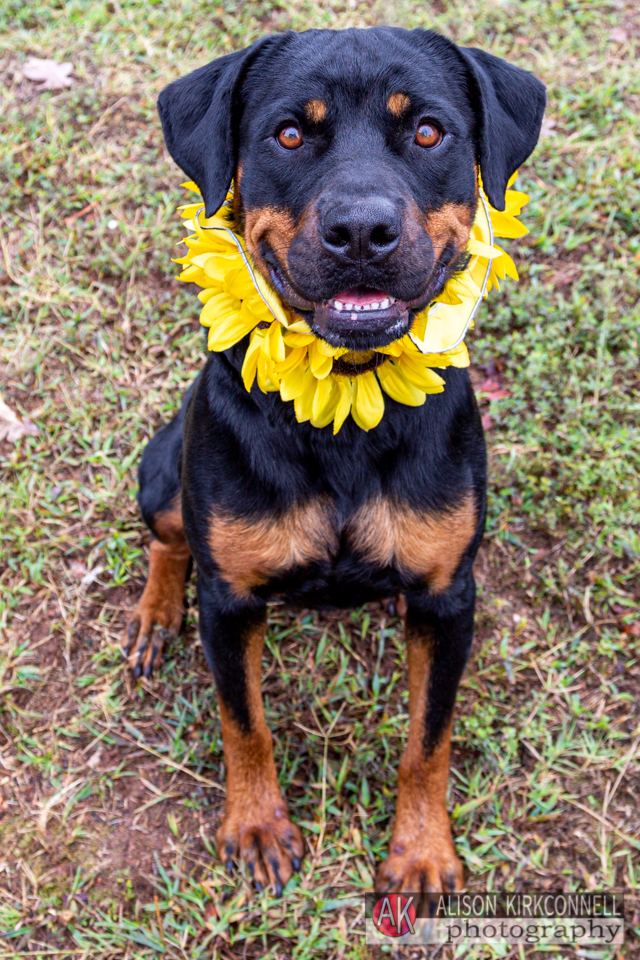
(363, 230)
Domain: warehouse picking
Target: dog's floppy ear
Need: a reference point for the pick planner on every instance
(199, 115)
(510, 104)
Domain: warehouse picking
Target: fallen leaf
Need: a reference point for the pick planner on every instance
(91, 575)
(94, 760)
(78, 568)
(618, 35)
(487, 422)
(80, 213)
(565, 276)
(493, 390)
(12, 428)
(48, 73)
(547, 127)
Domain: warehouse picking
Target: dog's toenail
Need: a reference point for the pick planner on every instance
(138, 669)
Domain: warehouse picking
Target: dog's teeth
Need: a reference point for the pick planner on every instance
(337, 305)
(358, 306)
(348, 306)
(384, 304)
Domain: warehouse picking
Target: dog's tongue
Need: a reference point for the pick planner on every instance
(360, 296)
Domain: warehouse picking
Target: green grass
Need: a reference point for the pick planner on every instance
(110, 793)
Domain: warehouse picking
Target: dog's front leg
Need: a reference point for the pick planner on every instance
(421, 854)
(256, 824)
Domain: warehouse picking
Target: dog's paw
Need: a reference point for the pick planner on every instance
(424, 867)
(154, 623)
(264, 837)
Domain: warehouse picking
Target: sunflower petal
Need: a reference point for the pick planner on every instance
(320, 365)
(265, 372)
(421, 376)
(507, 226)
(393, 349)
(368, 402)
(300, 326)
(345, 387)
(395, 384)
(293, 359)
(508, 265)
(298, 339)
(479, 249)
(294, 382)
(275, 342)
(250, 362)
(325, 402)
(303, 404)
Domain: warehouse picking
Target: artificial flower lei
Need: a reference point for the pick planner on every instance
(283, 353)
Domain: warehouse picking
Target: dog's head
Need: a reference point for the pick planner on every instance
(355, 157)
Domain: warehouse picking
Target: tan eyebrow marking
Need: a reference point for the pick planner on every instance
(398, 103)
(316, 111)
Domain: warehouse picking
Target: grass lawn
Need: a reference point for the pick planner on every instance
(110, 793)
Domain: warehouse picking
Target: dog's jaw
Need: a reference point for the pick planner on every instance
(357, 318)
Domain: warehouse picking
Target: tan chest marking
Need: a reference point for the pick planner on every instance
(250, 551)
(428, 546)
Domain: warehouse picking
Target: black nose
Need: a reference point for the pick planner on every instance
(364, 230)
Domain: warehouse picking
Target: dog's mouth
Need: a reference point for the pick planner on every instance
(359, 318)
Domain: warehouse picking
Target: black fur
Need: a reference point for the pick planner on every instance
(246, 454)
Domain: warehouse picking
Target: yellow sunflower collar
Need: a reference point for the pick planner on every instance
(283, 353)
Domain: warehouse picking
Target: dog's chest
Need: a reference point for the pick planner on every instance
(311, 540)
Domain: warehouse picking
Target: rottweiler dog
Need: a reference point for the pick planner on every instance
(355, 157)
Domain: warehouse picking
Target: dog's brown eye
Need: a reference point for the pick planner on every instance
(428, 135)
(290, 137)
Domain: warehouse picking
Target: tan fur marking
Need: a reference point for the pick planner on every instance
(421, 852)
(273, 225)
(249, 552)
(248, 755)
(428, 546)
(316, 111)
(168, 526)
(160, 609)
(398, 103)
(256, 824)
(451, 221)
(422, 783)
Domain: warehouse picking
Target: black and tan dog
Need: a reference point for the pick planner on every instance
(355, 158)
